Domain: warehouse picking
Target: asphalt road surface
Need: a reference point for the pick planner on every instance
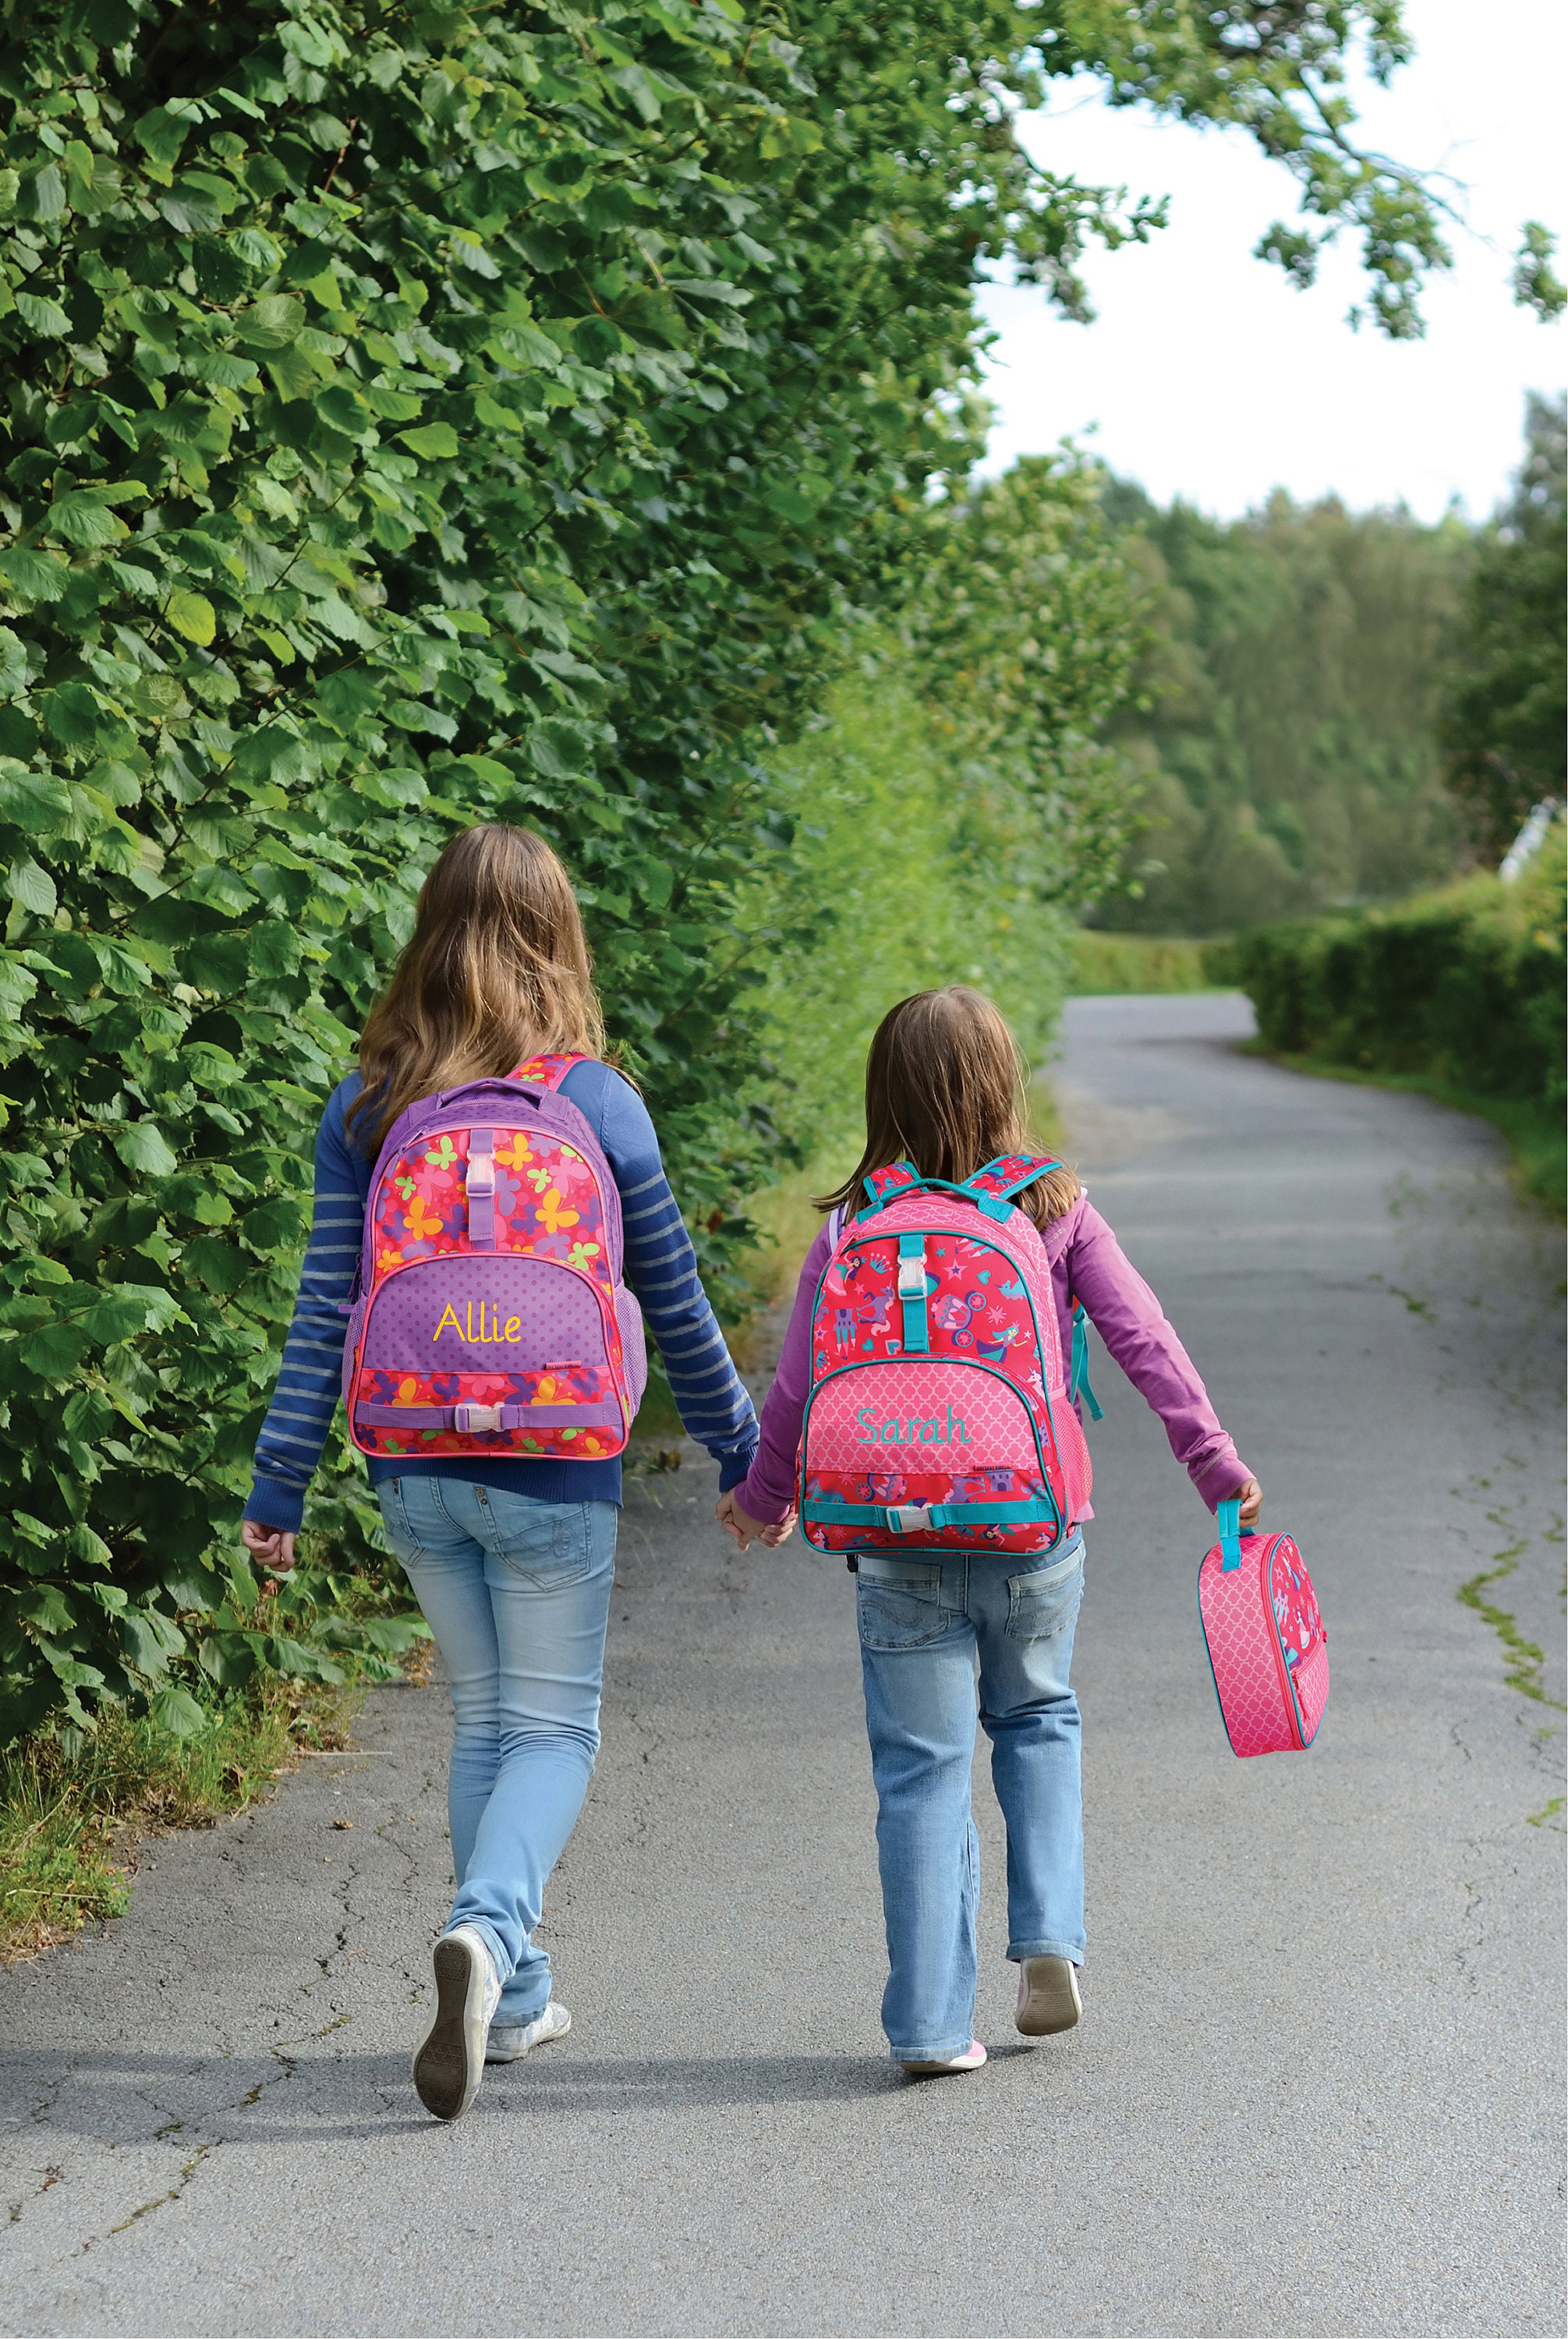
(1316, 2087)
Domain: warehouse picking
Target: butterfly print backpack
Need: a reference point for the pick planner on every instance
(489, 1313)
(938, 1417)
(1268, 1647)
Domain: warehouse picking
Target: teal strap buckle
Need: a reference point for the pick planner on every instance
(1229, 1517)
(1077, 1385)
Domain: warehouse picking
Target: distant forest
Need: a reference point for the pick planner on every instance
(1306, 675)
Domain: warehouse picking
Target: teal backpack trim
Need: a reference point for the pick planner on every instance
(1078, 1381)
(911, 1291)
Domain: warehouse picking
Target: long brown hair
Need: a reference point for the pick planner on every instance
(498, 970)
(946, 1090)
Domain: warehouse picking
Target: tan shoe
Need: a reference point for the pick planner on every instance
(972, 2056)
(1048, 1998)
(508, 2041)
(449, 2063)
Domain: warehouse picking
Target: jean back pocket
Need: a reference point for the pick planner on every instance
(1044, 1601)
(898, 1602)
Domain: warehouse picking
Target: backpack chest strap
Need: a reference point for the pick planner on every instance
(926, 1518)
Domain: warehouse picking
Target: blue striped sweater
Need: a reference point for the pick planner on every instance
(661, 1269)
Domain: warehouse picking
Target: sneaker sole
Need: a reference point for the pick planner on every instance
(1050, 2002)
(446, 2074)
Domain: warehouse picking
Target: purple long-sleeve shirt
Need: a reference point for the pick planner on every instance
(1087, 1263)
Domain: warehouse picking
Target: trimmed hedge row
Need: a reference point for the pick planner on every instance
(1465, 986)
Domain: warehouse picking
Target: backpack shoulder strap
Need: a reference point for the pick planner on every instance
(1008, 1174)
(547, 1072)
(887, 1185)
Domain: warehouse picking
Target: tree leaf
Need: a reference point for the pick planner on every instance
(433, 441)
(35, 575)
(44, 317)
(34, 888)
(177, 1712)
(192, 615)
(271, 323)
(142, 1147)
(55, 1351)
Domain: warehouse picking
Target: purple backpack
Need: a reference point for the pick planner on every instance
(489, 1316)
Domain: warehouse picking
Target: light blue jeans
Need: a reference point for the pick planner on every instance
(923, 1621)
(517, 1595)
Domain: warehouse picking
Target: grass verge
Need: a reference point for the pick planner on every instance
(72, 1804)
(1101, 965)
(1536, 1136)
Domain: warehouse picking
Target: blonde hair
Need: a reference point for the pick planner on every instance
(945, 1090)
(497, 971)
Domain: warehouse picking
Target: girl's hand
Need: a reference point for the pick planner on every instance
(270, 1545)
(747, 1530)
(1251, 1496)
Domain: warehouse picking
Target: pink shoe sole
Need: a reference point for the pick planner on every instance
(971, 2058)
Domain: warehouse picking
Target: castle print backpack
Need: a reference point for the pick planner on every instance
(937, 1418)
(1268, 1648)
(489, 1313)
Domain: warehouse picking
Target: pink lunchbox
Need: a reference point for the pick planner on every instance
(1267, 1649)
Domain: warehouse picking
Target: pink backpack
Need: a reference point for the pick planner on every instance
(1268, 1648)
(489, 1313)
(937, 1418)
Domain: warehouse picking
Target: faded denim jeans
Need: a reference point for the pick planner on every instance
(517, 1595)
(923, 1623)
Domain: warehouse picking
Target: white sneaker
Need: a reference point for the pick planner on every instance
(451, 2063)
(508, 2041)
(972, 2056)
(1048, 1998)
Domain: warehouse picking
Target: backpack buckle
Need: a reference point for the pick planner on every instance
(477, 1416)
(911, 1278)
(908, 1518)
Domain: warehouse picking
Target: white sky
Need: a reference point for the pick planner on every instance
(1208, 377)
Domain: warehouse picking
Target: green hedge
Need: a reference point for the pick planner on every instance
(408, 417)
(1463, 989)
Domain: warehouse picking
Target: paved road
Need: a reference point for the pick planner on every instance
(1315, 2089)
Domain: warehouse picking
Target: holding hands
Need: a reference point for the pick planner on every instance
(272, 1551)
(747, 1530)
(273, 1546)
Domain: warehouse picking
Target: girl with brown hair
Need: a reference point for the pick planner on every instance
(511, 1559)
(945, 1092)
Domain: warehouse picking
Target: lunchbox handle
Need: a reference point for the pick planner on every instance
(1229, 1517)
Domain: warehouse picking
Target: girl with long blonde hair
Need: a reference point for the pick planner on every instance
(511, 1559)
(945, 1092)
